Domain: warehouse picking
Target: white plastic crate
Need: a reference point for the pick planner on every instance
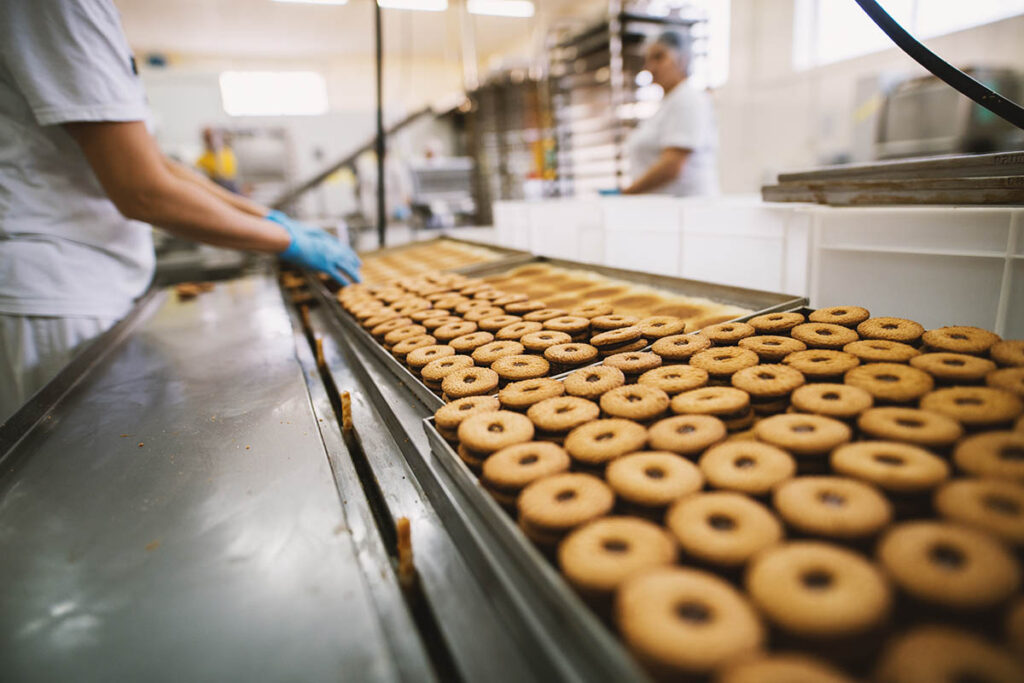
(560, 227)
(642, 233)
(512, 224)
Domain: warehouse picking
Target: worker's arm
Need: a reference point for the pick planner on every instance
(136, 178)
(236, 200)
(663, 171)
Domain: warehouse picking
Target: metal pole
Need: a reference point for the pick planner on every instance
(382, 217)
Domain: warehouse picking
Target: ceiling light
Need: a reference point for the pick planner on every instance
(425, 5)
(316, 2)
(501, 8)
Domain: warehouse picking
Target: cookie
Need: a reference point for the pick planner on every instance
(839, 401)
(940, 653)
(592, 382)
(481, 313)
(686, 434)
(553, 506)
(470, 305)
(403, 348)
(891, 329)
(890, 382)
(598, 556)
(776, 323)
(395, 336)
(508, 471)
(685, 622)
(659, 326)
(909, 425)
(882, 351)
(436, 370)
(832, 507)
(600, 441)
(523, 307)
(679, 347)
(994, 455)
(428, 314)
(1007, 379)
(1008, 353)
(633, 363)
(806, 435)
(635, 402)
(496, 323)
(783, 668)
(521, 395)
(544, 314)
(723, 528)
(728, 404)
(890, 465)
(612, 338)
(562, 414)
(376, 321)
(520, 367)
(674, 379)
(593, 310)
(473, 460)
(772, 348)
(653, 479)
(728, 334)
(447, 301)
(847, 316)
(468, 343)
(722, 362)
(517, 331)
(767, 381)
(486, 354)
(818, 590)
(570, 355)
(990, 505)
(954, 368)
(569, 324)
(537, 342)
(509, 299)
(749, 467)
(975, 407)
(488, 432)
(605, 323)
(449, 331)
(822, 365)
(619, 349)
(949, 565)
(449, 416)
(824, 335)
(960, 339)
(468, 381)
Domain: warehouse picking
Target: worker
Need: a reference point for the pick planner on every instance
(674, 151)
(218, 160)
(81, 179)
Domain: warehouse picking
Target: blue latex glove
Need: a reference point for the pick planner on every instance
(610, 192)
(314, 248)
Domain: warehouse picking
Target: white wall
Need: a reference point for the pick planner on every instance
(772, 118)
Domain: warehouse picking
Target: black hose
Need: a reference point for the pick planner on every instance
(991, 100)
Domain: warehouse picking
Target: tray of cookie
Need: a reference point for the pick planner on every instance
(806, 495)
(435, 254)
(450, 335)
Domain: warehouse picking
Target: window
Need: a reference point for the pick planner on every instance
(273, 93)
(827, 31)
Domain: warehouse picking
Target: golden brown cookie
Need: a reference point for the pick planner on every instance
(653, 479)
(686, 434)
(487, 432)
(570, 355)
(520, 367)
(990, 505)
(480, 313)
(611, 338)
(569, 324)
(600, 441)
(818, 590)
(395, 336)
(593, 310)
(831, 400)
(890, 382)
(890, 465)
(523, 307)
(960, 339)
(403, 348)
(881, 351)
(436, 370)
(656, 327)
(722, 528)
(806, 435)
(635, 402)
(516, 331)
(728, 404)
(545, 314)
(418, 358)
(728, 334)
(782, 668)
(722, 362)
(468, 343)
(521, 395)
(492, 351)
(472, 381)
(847, 316)
(682, 621)
(832, 507)
(605, 323)
(633, 363)
(536, 342)
(591, 382)
(994, 455)
(824, 335)
(1007, 379)
(553, 506)
(776, 323)
(975, 406)
(598, 556)
(947, 564)
(1008, 353)
(496, 323)
(939, 653)
(954, 368)
(562, 414)
(451, 415)
(679, 347)
(772, 348)
(822, 365)
(768, 381)
(891, 329)
(909, 425)
(749, 467)
(507, 471)
(674, 379)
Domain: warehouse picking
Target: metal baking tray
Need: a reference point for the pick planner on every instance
(539, 584)
(506, 257)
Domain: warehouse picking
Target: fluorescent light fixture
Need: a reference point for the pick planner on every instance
(315, 2)
(501, 8)
(424, 5)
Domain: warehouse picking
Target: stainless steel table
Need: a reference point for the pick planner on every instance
(176, 517)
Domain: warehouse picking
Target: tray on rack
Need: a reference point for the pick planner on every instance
(538, 585)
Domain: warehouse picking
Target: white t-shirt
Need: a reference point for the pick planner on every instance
(65, 250)
(685, 119)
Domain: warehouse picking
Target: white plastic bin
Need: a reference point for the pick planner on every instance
(512, 224)
(642, 233)
(566, 228)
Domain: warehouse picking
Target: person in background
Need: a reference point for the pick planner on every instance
(81, 180)
(674, 152)
(218, 160)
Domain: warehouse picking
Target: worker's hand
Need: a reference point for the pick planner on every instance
(314, 248)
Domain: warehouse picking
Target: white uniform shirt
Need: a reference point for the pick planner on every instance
(65, 250)
(686, 120)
